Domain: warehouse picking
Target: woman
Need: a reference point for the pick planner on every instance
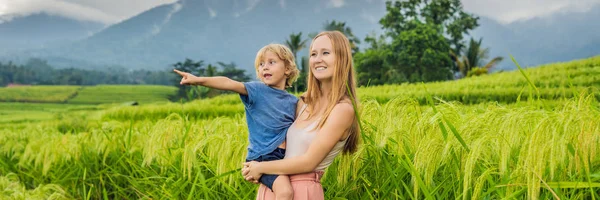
(325, 121)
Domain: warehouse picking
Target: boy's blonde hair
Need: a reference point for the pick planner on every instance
(285, 54)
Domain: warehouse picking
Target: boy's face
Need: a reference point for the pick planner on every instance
(271, 71)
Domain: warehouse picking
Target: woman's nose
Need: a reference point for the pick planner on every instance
(318, 58)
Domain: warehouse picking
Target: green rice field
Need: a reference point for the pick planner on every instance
(509, 135)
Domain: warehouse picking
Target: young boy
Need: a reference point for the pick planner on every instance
(270, 110)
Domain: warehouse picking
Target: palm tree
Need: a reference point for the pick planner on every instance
(296, 44)
(474, 57)
(341, 27)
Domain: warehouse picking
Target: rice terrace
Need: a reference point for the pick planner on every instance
(489, 137)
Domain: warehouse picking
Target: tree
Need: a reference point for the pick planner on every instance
(192, 67)
(473, 59)
(420, 53)
(296, 44)
(422, 33)
(231, 71)
(347, 31)
(447, 15)
(371, 68)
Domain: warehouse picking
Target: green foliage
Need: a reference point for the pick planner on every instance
(474, 57)
(39, 72)
(421, 34)
(477, 71)
(123, 93)
(346, 30)
(554, 81)
(197, 68)
(72, 124)
(178, 157)
(231, 71)
(421, 53)
(12, 188)
(45, 94)
(447, 15)
(372, 69)
(528, 149)
(296, 44)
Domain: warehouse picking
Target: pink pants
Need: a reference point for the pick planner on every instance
(306, 186)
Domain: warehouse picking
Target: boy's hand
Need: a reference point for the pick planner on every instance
(187, 78)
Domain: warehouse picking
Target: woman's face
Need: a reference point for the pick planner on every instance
(322, 58)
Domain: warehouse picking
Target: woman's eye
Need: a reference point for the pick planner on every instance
(313, 54)
(326, 53)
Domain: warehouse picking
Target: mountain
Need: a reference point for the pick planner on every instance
(234, 30)
(227, 31)
(558, 37)
(42, 30)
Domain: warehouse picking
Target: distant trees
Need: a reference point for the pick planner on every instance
(39, 72)
(197, 68)
(472, 62)
(296, 43)
(346, 30)
(422, 41)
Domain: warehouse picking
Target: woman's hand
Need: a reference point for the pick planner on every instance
(249, 179)
(251, 172)
(186, 78)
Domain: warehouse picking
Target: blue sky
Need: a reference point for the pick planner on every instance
(114, 11)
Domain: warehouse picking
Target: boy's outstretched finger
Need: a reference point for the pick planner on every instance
(179, 72)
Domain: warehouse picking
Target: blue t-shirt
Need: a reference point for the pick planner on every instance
(269, 114)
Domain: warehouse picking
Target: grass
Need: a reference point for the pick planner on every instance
(15, 112)
(512, 149)
(102, 94)
(38, 94)
(529, 147)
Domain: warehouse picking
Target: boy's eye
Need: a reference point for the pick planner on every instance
(261, 64)
(272, 62)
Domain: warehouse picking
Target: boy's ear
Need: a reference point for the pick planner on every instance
(287, 72)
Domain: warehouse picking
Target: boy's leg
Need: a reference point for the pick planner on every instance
(282, 187)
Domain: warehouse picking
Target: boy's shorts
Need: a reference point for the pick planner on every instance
(268, 179)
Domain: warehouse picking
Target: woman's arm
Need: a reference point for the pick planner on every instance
(216, 82)
(339, 120)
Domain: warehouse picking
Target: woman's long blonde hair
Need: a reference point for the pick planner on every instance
(343, 85)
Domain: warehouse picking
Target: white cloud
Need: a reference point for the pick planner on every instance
(282, 3)
(336, 3)
(251, 4)
(507, 11)
(106, 11)
(212, 12)
(247, 7)
(56, 7)
(114, 11)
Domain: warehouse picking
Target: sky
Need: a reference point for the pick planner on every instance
(113, 11)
